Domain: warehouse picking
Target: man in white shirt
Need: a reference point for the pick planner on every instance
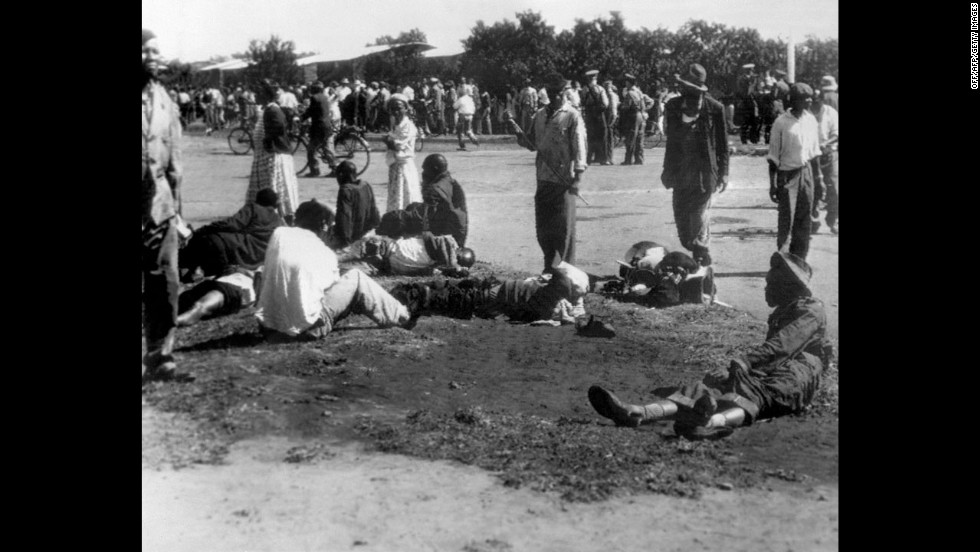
(465, 109)
(794, 155)
(343, 90)
(289, 104)
(827, 118)
(303, 294)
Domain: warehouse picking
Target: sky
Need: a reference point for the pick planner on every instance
(197, 30)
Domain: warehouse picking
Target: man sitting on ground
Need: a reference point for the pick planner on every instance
(303, 294)
(777, 378)
(240, 240)
(447, 214)
(357, 212)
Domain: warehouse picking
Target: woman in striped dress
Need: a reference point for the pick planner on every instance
(403, 177)
(272, 165)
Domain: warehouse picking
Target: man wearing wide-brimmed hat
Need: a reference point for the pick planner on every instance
(631, 112)
(695, 159)
(162, 175)
(594, 104)
(828, 91)
(777, 378)
(794, 171)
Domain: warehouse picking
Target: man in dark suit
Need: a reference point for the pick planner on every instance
(162, 174)
(695, 160)
(321, 129)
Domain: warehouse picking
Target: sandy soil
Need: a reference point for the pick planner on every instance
(265, 451)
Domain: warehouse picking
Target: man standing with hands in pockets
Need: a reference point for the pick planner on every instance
(557, 133)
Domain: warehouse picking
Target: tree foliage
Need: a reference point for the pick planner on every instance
(273, 59)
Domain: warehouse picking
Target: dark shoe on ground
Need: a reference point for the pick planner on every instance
(701, 433)
(596, 328)
(609, 406)
(626, 163)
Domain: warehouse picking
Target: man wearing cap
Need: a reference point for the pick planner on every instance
(595, 101)
(794, 155)
(161, 179)
(695, 159)
(774, 379)
(828, 91)
(631, 120)
(827, 126)
(612, 117)
(557, 133)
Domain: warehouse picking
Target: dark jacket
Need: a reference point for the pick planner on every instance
(241, 240)
(274, 121)
(318, 113)
(357, 212)
(711, 155)
(447, 214)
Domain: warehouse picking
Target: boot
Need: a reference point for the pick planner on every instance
(627, 415)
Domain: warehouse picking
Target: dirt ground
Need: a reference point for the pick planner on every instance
(287, 447)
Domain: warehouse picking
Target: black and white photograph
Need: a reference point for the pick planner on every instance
(490, 276)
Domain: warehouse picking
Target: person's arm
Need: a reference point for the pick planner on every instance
(790, 340)
(831, 144)
(578, 151)
(775, 147)
(238, 222)
(175, 168)
(721, 147)
(525, 137)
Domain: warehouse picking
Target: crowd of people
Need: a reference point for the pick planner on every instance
(305, 266)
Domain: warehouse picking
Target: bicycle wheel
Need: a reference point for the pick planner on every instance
(300, 159)
(240, 141)
(354, 148)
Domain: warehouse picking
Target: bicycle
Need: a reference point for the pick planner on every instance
(240, 139)
(349, 145)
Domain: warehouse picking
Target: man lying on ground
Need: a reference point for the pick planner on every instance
(653, 275)
(556, 298)
(409, 256)
(303, 294)
(777, 378)
(240, 240)
(228, 294)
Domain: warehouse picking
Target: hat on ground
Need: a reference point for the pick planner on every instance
(695, 77)
(148, 35)
(828, 83)
(629, 77)
(592, 73)
(790, 268)
(779, 73)
(800, 90)
(748, 66)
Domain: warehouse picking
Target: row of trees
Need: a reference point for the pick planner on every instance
(507, 52)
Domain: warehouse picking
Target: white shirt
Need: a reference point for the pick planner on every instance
(409, 93)
(794, 142)
(408, 256)
(244, 282)
(288, 100)
(298, 270)
(827, 124)
(342, 92)
(464, 105)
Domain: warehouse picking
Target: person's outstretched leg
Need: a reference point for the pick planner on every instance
(206, 306)
(357, 293)
(629, 415)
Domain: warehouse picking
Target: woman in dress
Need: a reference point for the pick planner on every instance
(403, 177)
(272, 166)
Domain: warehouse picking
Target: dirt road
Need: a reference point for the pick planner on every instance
(276, 447)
